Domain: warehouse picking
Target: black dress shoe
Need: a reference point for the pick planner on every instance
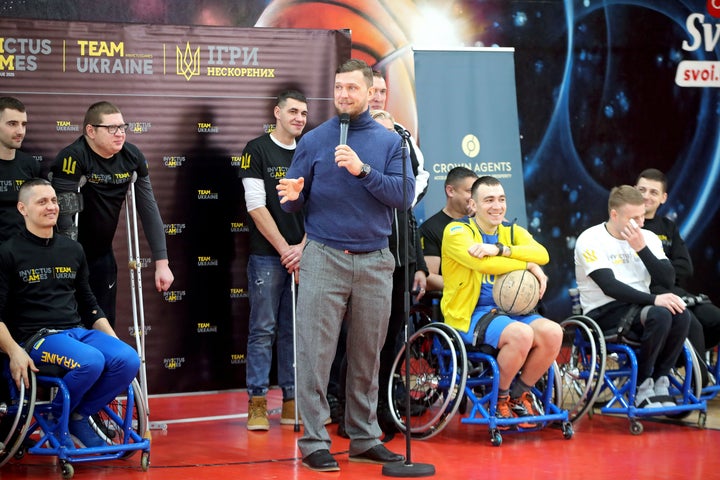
(321, 461)
(377, 454)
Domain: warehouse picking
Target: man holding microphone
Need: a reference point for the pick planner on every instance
(348, 192)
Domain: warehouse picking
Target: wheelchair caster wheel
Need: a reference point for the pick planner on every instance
(145, 461)
(19, 454)
(567, 430)
(67, 470)
(495, 438)
(636, 428)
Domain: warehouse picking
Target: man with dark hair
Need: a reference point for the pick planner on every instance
(705, 317)
(108, 163)
(458, 187)
(615, 263)
(49, 316)
(348, 193)
(15, 166)
(276, 243)
(475, 251)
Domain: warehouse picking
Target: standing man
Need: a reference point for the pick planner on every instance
(705, 317)
(276, 243)
(348, 192)
(15, 166)
(615, 262)
(475, 250)
(378, 100)
(458, 190)
(103, 158)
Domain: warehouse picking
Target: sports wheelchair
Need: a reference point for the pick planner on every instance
(446, 376)
(26, 425)
(599, 371)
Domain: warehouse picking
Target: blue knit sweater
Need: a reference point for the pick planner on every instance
(342, 211)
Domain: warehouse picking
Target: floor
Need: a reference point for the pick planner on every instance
(205, 438)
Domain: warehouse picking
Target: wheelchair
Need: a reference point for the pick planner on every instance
(445, 377)
(26, 426)
(599, 372)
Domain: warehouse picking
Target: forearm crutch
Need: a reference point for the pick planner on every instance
(136, 295)
(294, 320)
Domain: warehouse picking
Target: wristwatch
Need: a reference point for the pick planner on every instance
(364, 170)
(501, 249)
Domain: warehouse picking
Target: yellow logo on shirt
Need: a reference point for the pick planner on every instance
(590, 256)
(69, 165)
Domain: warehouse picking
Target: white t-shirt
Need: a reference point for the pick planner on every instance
(596, 249)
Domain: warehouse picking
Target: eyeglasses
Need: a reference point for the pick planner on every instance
(113, 129)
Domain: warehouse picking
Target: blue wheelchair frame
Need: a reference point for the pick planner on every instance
(618, 378)
(25, 426)
(441, 384)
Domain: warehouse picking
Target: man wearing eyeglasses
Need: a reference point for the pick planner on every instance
(106, 162)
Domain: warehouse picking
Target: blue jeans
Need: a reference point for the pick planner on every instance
(269, 289)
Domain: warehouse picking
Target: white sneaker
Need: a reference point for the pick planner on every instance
(662, 392)
(644, 395)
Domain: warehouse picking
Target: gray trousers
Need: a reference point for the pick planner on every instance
(331, 283)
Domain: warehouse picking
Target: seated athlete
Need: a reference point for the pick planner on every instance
(474, 251)
(49, 316)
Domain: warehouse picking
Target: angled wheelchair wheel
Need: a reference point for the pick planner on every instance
(16, 414)
(115, 422)
(581, 364)
(437, 371)
(678, 379)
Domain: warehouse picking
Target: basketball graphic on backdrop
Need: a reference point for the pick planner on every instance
(381, 36)
(516, 292)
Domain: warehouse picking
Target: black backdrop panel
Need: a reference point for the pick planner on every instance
(193, 97)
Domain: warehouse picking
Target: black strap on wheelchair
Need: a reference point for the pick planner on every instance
(623, 328)
(37, 336)
(45, 369)
(480, 329)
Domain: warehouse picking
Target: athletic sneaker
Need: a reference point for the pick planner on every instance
(84, 434)
(645, 394)
(526, 406)
(662, 392)
(504, 412)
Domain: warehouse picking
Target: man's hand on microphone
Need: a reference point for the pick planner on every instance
(347, 158)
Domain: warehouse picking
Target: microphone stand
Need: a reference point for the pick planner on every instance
(407, 469)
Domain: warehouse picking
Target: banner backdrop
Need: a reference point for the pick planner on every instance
(484, 138)
(193, 97)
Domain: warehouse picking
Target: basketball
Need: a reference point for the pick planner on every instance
(516, 292)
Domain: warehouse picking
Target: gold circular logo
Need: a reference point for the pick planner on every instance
(470, 145)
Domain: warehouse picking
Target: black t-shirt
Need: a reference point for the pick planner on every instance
(264, 159)
(44, 284)
(13, 173)
(431, 234)
(674, 247)
(107, 182)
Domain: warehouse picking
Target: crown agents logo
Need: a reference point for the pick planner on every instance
(470, 145)
(187, 63)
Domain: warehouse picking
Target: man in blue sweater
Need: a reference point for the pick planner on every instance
(348, 193)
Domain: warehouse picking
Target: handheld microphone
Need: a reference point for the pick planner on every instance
(344, 124)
